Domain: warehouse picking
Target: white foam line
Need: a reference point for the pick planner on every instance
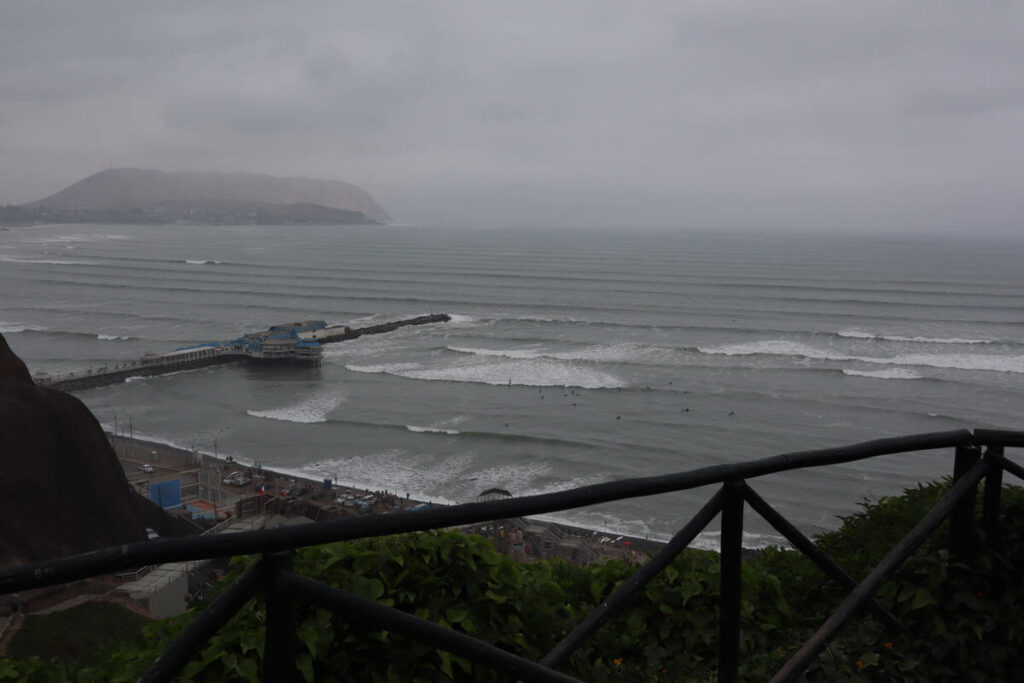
(17, 328)
(961, 361)
(431, 430)
(517, 354)
(894, 373)
(48, 262)
(312, 410)
(857, 334)
(712, 540)
(384, 470)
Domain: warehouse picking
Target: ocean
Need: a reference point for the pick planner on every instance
(573, 356)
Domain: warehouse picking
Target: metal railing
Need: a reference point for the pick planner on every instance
(282, 588)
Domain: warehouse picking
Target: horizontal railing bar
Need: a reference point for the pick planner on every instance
(903, 549)
(198, 632)
(812, 551)
(366, 612)
(292, 537)
(631, 586)
(999, 437)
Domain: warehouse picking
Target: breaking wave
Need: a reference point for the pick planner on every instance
(312, 410)
(62, 239)
(17, 328)
(48, 262)
(951, 361)
(857, 334)
(522, 372)
(892, 373)
(613, 353)
(431, 430)
(712, 540)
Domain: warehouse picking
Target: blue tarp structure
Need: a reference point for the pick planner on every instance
(166, 494)
(200, 513)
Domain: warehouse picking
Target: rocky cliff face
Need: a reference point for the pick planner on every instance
(62, 489)
(140, 189)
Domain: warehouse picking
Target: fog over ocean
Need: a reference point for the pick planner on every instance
(573, 357)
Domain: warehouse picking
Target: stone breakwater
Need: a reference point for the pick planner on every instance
(353, 333)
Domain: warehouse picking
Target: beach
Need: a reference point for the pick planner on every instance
(148, 463)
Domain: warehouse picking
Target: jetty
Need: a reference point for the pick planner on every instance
(292, 343)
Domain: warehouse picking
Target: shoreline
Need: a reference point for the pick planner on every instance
(525, 539)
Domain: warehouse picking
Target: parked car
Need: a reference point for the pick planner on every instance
(146, 467)
(236, 479)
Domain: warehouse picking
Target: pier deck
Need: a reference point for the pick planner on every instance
(205, 356)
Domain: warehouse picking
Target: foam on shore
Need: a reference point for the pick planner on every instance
(315, 409)
(600, 523)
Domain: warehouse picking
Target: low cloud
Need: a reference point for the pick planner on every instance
(801, 115)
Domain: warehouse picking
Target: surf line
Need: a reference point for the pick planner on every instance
(292, 343)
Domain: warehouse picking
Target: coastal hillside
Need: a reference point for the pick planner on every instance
(142, 195)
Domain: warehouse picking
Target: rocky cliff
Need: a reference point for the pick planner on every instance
(62, 489)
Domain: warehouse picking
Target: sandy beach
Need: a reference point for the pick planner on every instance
(206, 496)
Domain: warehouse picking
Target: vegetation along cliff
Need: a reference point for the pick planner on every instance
(963, 618)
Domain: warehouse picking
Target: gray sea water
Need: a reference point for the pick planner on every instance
(573, 357)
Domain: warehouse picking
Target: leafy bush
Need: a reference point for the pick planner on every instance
(77, 633)
(963, 617)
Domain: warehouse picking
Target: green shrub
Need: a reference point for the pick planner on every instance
(76, 634)
(964, 619)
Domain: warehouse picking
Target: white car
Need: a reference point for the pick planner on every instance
(146, 468)
(236, 479)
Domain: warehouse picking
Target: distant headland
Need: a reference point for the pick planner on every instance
(132, 195)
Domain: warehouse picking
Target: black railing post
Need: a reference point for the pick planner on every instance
(993, 492)
(279, 643)
(961, 522)
(729, 600)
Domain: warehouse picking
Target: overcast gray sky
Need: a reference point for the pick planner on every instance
(897, 116)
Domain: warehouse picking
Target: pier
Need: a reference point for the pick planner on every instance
(291, 343)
